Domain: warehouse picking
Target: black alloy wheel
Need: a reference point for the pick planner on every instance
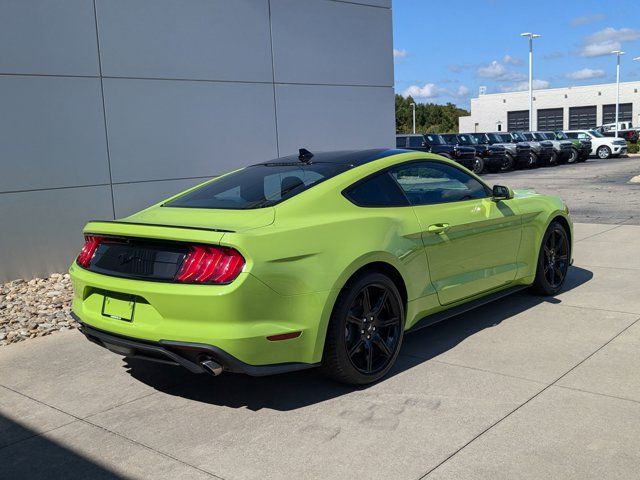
(365, 331)
(509, 163)
(553, 261)
(478, 165)
(372, 330)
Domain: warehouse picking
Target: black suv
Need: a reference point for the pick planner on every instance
(518, 153)
(434, 143)
(492, 157)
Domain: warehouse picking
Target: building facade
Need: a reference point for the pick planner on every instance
(554, 108)
(112, 105)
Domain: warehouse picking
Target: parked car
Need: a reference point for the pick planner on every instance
(518, 153)
(434, 143)
(581, 147)
(541, 148)
(491, 156)
(601, 146)
(307, 261)
(563, 149)
(625, 130)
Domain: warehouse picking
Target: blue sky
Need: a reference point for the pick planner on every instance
(443, 51)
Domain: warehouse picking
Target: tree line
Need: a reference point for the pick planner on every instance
(430, 117)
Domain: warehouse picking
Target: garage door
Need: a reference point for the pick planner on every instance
(551, 119)
(518, 121)
(624, 115)
(581, 118)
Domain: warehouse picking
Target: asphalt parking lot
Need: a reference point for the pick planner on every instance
(526, 387)
(597, 191)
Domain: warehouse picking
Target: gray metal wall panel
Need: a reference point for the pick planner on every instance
(52, 133)
(44, 232)
(48, 37)
(166, 129)
(374, 3)
(331, 118)
(198, 39)
(133, 197)
(323, 42)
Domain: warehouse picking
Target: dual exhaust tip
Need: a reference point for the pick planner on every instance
(212, 367)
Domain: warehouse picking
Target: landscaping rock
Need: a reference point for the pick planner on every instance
(34, 308)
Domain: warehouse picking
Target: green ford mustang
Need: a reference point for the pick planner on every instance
(307, 261)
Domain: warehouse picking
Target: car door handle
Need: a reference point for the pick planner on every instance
(438, 228)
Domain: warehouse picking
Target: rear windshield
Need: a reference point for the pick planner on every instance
(258, 186)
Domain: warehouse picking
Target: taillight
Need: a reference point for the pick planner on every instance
(210, 265)
(91, 244)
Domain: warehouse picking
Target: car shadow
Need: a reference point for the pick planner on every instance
(294, 390)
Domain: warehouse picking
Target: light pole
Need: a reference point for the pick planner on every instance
(617, 53)
(530, 36)
(413, 107)
(637, 59)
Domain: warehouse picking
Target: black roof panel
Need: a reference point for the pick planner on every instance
(346, 157)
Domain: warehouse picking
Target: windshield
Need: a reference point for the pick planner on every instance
(529, 136)
(550, 135)
(467, 140)
(257, 186)
(519, 137)
(540, 136)
(562, 136)
(506, 137)
(450, 138)
(434, 139)
(595, 133)
(494, 137)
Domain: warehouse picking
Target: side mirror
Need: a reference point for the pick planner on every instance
(501, 192)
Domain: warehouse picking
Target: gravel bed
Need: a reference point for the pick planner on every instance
(35, 308)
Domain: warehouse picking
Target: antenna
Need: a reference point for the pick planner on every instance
(483, 90)
(304, 155)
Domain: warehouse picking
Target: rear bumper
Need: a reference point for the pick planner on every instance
(185, 354)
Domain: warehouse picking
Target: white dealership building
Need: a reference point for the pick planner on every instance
(554, 108)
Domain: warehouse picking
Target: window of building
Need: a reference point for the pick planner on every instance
(625, 113)
(518, 120)
(551, 119)
(582, 118)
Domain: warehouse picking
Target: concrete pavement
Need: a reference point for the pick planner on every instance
(523, 388)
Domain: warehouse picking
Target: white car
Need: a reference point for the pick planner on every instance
(601, 146)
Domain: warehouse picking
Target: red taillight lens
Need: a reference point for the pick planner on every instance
(210, 265)
(91, 243)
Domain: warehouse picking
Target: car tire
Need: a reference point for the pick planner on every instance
(574, 156)
(508, 164)
(553, 161)
(603, 152)
(478, 165)
(357, 349)
(553, 260)
(534, 161)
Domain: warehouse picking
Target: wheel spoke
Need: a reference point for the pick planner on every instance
(387, 322)
(366, 301)
(356, 346)
(382, 345)
(380, 303)
(557, 270)
(351, 318)
(369, 353)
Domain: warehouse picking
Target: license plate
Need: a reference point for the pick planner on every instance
(118, 308)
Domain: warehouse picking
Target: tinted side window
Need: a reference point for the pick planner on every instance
(378, 191)
(415, 142)
(426, 183)
(401, 142)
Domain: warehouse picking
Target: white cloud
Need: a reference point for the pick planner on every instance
(399, 53)
(605, 41)
(586, 19)
(511, 60)
(586, 73)
(428, 90)
(497, 71)
(523, 86)
(463, 91)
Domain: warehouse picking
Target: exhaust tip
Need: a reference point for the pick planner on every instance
(211, 367)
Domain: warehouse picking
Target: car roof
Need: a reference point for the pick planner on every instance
(343, 157)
